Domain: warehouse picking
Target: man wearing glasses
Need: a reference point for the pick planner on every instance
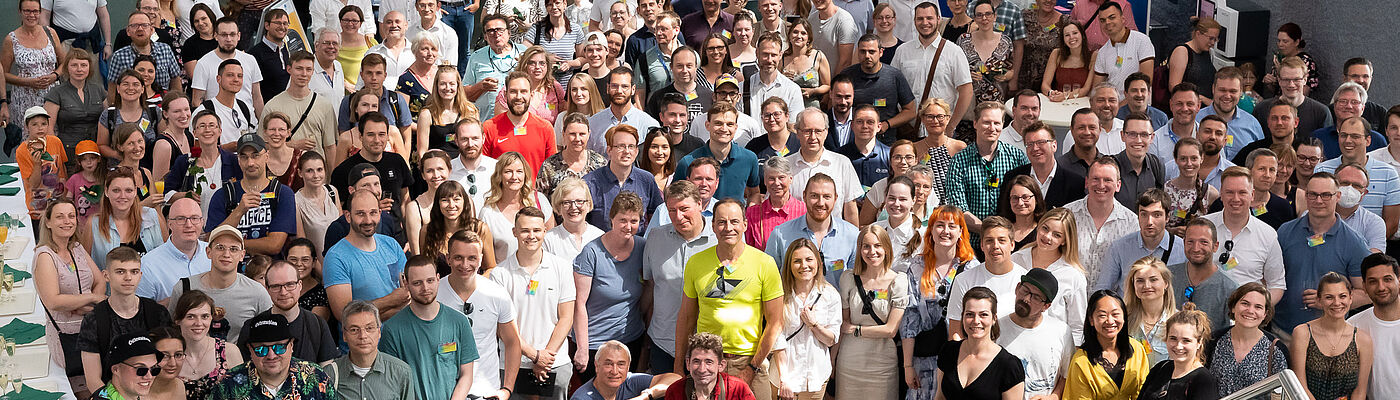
(1059, 186)
(1250, 249)
(310, 331)
(488, 66)
(272, 52)
(434, 340)
(430, 20)
(620, 175)
(134, 365)
(239, 296)
(1199, 279)
(168, 72)
(1383, 195)
(364, 372)
(1314, 244)
(204, 84)
(488, 306)
(273, 366)
(1347, 102)
(1310, 115)
(181, 256)
(1137, 169)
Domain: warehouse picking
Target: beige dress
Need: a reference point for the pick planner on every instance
(316, 216)
(73, 278)
(868, 368)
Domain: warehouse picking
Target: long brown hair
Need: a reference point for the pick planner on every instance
(104, 212)
(114, 99)
(436, 233)
(1083, 43)
(790, 280)
(46, 235)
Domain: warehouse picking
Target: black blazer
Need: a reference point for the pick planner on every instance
(275, 76)
(1065, 187)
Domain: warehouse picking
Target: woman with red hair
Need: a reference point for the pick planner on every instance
(931, 261)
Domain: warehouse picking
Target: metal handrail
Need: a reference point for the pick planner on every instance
(1284, 382)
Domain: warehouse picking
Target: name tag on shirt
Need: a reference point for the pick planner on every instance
(880, 102)
(533, 287)
(1316, 240)
(449, 347)
(520, 131)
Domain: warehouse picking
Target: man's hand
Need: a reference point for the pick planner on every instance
(747, 373)
(386, 204)
(400, 296)
(786, 393)
(1310, 298)
(581, 359)
(249, 201)
(488, 84)
(302, 144)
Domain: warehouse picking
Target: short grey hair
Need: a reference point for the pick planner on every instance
(1350, 86)
(1102, 86)
(801, 115)
(360, 306)
(614, 345)
(921, 169)
(325, 32)
(777, 165)
(422, 36)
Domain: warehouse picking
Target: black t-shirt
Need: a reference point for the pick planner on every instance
(1003, 373)
(887, 89)
(697, 106)
(688, 144)
(760, 147)
(394, 176)
(1195, 385)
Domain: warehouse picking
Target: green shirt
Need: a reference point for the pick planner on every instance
(433, 349)
(388, 378)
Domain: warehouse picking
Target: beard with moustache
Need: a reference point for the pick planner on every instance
(519, 107)
(1023, 309)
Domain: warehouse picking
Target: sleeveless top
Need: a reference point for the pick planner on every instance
(202, 387)
(175, 151)
(443, 137)
(1335, 376)
(75, 278)
(1070, 76)
(808, 79)
(938, 159)
(30, 63)
(1200, 70)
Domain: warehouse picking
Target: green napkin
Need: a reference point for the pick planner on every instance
(22, 332)
(6, 179)
(30, 393)
(10, 191)
(19, 275)
(8, 169)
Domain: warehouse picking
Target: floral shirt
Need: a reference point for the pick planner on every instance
(305, 381)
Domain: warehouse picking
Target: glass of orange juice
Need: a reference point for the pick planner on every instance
(4, 233)
(160, 187)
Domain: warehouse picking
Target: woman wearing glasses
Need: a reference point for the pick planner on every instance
(716, 61)
(811, 321)
(317, 203)
(353, 42)
(167, 385)
(327, 15)
(1023, 205)
(546, 95)
(1149, 301)
(1056, 249)
(874, 298)
(608, 278)
(943, 250)
(574, 231)
(988, 53)
(302, 254)
(207, 358)
(903, 160)
(937, 148)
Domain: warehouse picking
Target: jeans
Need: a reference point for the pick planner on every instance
(661, 361)
(91, 40)
(455, 15)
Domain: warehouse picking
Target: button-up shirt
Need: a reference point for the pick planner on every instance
(1384, 187)
(838, 246)
(1369, 225)
(605, 187)
(164, 265)
(476, 180)
(447, 40)
(1094, 243)
(870, 167)
(900, 235)
(974, 182)
(1164, 142)
(806, 364)
(1127, 250)
(1136, 183)
(696, 27)
(388, 378)
(599, 123)
(663, 263)
(304, 381)
(394, 64)
(763, 217)
(1308, 255)
(485, 63)
(913, 59)
(1256, 255)
(1241, 130)
(848, 186)
(782, 88)
(329, 83)
(167, 64)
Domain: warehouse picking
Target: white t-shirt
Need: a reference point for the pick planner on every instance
(1071, 300)
(234, 123)
(1044, 351)
(490, 306)
(480, 177)
(77, 16)
(206, 73)
(1385, 369)
(1003, 285)
(538, 312)
(1118, 60)
(913, 59)
(558, 241)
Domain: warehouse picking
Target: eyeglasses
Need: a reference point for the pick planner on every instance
(181, 220)
(1310, 159)
(351, 21)
(624, 147)
(773, 115)
(1024, 290)
(139, 25)
(1021, 198)
(1137, 135)
(278, 349)
(220, 247)
(495, 31)
(938, 117)
(727, 93)
(1225, 257)
(1315, 195)
(284, 286)
(1038, 143)
(144, 371)
(573, 203)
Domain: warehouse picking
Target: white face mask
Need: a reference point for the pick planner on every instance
(1350, 197)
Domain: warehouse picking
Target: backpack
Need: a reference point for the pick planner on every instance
(242, 109)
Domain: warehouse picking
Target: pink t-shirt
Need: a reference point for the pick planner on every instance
(76, 186)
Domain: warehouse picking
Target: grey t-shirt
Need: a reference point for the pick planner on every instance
(1210, 295)
(829, 34)
(241, 301)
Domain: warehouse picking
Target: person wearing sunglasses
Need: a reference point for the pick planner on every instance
(134, 365)
(273, 366)
(1249, 247)
(284, 286)
(1200, 279)
(489, 307)
(106, 320)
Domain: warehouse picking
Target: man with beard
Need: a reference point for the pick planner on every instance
(614, 381)
(1044, 344)
(398, 55)
(1151, 240)
(1352, 180)
(1099, 218)
(313, 335)
(518, 129)
(884, 88)
(168, 72)
(203, 82)
(541, 285)
(1268, 207)
(152, 10)
(1081, 144)
(834, 236)
(769, 81)
(841, 113)
(952, 78)
(663, 267)
(1212, 132)
(395, 176)
(365, 264)
(471, 168)
(974, 173)
(1139, 170)
(1243, 128)
(1184, 104)
(488, 66)
(684, 64)
(739, 174)
(239, 296)
(1199, 279)
(435, 341)
(364, 177)
(1310, 115)
(734, 291)
(1280, 123)
(488, 307)
(1383, 195)
(1058, 186)
(316, 132)
(619, 111)
(1347, 102)
(998, 273)
(1251, 251)
(1380, 273)
(605, 184)
(364, 372)
(180, 256)
(262, 208)
(272, 52)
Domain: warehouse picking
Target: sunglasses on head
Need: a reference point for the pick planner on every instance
(144, 371)
(278, 349)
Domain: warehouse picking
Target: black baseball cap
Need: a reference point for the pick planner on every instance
(252, 139)
(1044, 280)
(267, 328)
(131, 345)
(360, 171)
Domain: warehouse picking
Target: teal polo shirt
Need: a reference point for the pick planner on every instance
(737, 172)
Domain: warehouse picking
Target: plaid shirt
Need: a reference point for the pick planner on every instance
(973, 183)
(168, 65)
(1008, 19)
(305, 381)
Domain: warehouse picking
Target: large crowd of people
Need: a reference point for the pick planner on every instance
(696, 199)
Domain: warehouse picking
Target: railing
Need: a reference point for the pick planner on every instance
(1284, 383)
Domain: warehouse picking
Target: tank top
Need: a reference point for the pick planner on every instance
(1200, 71)
(1332, 377)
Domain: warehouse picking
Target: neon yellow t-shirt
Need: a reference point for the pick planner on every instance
(731, 304)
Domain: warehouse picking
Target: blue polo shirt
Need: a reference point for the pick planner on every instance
(1240, 131)
(1330, 147)
(604, 187)
(737, 172)
(871, 167)
(838, 247)
(1339, 250)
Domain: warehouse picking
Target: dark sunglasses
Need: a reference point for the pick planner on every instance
(1225, 257)
(144, 371)
(279, 349)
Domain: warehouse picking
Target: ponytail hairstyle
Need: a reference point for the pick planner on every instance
(1189, 315)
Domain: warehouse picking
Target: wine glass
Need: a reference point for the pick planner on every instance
(4, 381)
(9, 286)
(19, 383)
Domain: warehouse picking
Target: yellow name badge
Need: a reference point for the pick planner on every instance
(838, 265)
(1316, 240)
(145, 124)
(1258, 211)
(810, 75)
(1229, 140)
(1231, 264)
(726, 34)
(1181, 213)
(1118, 62)
(520, 131)
(1001, 28)
(880, 102)
(448, 347)
(690, 96)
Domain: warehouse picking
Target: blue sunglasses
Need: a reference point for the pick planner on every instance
(279, 349)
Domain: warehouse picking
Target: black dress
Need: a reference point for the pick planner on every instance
(952, 33)
(1196, 385)
(1003, 373)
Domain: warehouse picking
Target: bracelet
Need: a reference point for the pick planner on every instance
(857, 330)
(508, 391)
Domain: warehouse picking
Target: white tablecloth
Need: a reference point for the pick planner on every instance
(14, 205)
(1055, 114)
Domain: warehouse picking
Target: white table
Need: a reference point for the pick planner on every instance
(1052, 113)
(14, 205)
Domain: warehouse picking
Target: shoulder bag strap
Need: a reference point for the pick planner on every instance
(1171, 242)
(928, 81)
(865, 301)
(800, 328)
(304, 113)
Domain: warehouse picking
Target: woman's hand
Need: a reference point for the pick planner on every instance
(786, 393)
(911, 377)
(976, 76)
(154, 201)
(1056, 96)
(1006, 77)
(807, 318)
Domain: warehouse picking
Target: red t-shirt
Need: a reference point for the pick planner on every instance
(534, 139)
(734, 389)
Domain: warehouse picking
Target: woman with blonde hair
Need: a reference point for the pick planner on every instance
(281, 157)
(1056, 249)
(811, 323)
(874, 298)
(937, 148)
(1183, 375)
(1149, 301)
(1191, 61)
(546, 95)
(68, 281)
(575, 201)
(944, 250)
(512, 189)
(582, 97)
(446, 108)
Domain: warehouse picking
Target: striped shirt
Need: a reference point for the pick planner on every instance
(1384, 189)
